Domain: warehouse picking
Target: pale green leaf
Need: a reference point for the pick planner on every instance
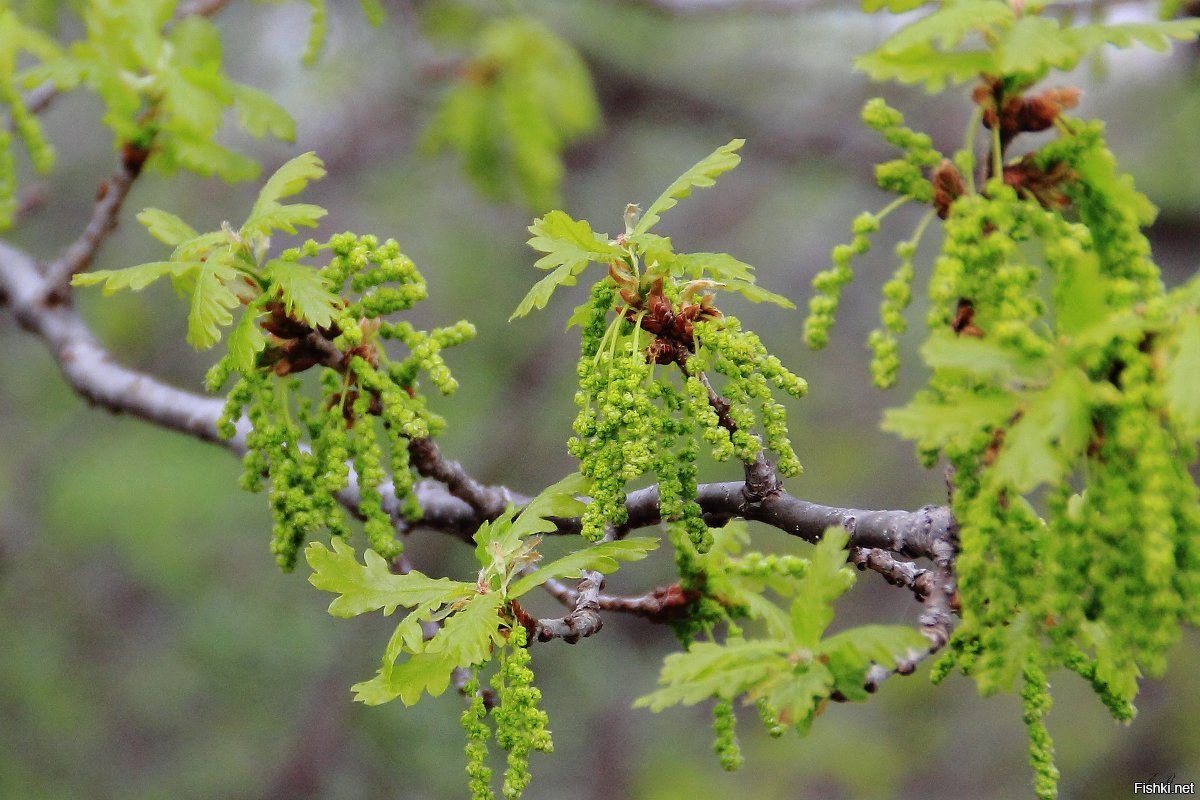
(288, 180)
(982, 358)
(921, 63)
(1035, 43)
(135, 278)
(541, 292)
(306, 296)
(878, 644)
(566, 241)
(1040, 447)
(246, 340)
(283, 217)
(946, 27)
(260, 115)
(423, 672)
(569, 246)
(167, 228)
(717, 266)
(756, 294)
(466, 637)
(796, 696)
(827, 579)
(934, 424)
(212, 301)
(709, 669)
(601, 557)
(1182, 371)
(501, 538)
(1156, 35)
(704, 173)
(371, 585)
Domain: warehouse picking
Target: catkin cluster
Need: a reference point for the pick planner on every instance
(633, 422)
(368, 408)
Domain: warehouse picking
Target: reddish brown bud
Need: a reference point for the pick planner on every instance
(948, 186)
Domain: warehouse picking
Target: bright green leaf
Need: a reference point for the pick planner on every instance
(704, 173)
(1047, 438)
(827, 579)
(933, 423)
(246, 340)
(135, 278)
(709, 669)
(260, 115)
(212, 301)
(982, 358)
(305, 294)
(371, 585)
(1035, 43)
(1182, 372)
(167, 228)
(289, 179)
(601, 557)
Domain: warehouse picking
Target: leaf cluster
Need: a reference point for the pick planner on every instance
(962, 39)
(163, 86)
(453, 625)
(794, 668)
(16, 38)
(520, 99)
(297, 316)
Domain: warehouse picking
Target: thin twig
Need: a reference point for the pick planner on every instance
(92, 372)
(78, 256)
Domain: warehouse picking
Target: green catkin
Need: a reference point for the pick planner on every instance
(308, 463)
(520, 724)
(725, 744)
(1036, 702)
(474, 722)
(1100, 575)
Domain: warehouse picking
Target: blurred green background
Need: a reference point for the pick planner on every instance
(149, 647)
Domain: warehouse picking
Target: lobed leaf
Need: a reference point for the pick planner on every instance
(306, 295)
(371, 585)
(709, 669)
(1182, 372)
(704, 173)
(135, 278)
(602, 557)
(166, 227)
(212, 300)
(933, 423)
(827, 579)
(289, 179)
(1048, 437)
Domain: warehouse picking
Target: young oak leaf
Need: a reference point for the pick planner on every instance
(709, 669)
(569, 246)
(269, 214)
(500, 539)
(135, 278)
(370, 586)
(306, 295)
(704, 173)
(166, 227)
(466, 638)
(246, 339)
(212, 300)
(827, 578)
(602, 557)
